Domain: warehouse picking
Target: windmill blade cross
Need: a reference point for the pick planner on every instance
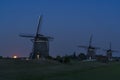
(97, 47)
(115, 51)
(39, 25)
(25, 35)
(49, 37)
(83, 46)
(104, 49)
(110, 46)
(90, 42)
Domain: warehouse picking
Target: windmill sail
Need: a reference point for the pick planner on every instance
(39, 26)
(40, 43)
(90, 42)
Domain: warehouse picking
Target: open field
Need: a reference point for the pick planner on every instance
(50, 70)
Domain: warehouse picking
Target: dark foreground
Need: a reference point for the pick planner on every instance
(51, 70)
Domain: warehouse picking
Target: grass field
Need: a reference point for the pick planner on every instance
(50, 70)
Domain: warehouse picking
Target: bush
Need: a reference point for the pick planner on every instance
(58, 58)
(82, 56)
(66, 60)
(1, 57)
(49, 57)
(101, 58)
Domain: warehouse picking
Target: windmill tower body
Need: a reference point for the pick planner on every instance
(91, 53)
(109, 54)
(40, 48)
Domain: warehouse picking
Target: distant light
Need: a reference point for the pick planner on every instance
(15, 57)
(38, 56)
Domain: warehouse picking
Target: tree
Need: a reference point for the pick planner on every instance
(59, 58)
(66, 59)
(1, 57)
(82, 56)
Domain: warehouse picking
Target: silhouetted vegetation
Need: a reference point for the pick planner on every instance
(102, 58)
(1, 57)
(66, 59)
(82, 56)
(49, 57)
(59, 58)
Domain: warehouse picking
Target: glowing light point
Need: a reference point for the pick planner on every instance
(15, 57)
(38, 56)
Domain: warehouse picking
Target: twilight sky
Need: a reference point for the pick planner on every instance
(70, 22)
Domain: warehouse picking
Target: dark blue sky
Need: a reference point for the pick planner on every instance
(70, 22)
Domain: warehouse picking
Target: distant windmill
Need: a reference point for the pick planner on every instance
(109, 52)
(40, 43)
(91, 51)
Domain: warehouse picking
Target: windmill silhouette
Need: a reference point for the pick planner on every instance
(109, 52)
(91, 50)
(40, 43)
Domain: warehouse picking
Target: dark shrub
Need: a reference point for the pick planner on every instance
(59, 58)
(1, 57)
(101, 58)
(66, 60)
(82, 56)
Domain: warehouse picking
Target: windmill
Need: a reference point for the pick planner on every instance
(91, 50)
(109, 52)
(40, 43)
